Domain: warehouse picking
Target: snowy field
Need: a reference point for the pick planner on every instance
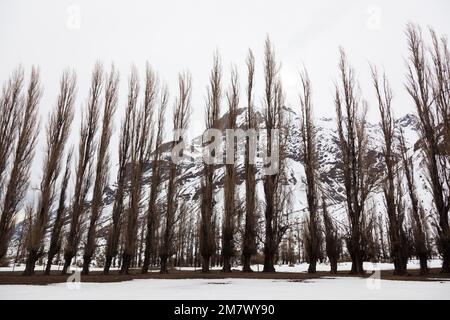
(243, 289)
(239, 289)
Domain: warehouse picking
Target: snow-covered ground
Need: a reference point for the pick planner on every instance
(245, 289)
(240, 289)
(301, 267)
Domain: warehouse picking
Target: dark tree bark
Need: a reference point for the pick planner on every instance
(333, 242)
(308, 151)
(249, 242)
(152, 214)
(142, 140)
(229, 219)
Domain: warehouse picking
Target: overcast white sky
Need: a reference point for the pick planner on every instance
(174, 35)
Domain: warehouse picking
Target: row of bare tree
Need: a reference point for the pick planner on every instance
(428, 83)
(155, 226)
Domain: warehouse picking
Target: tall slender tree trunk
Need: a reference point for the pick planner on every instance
(394, 209)
(269, 243)
(156, 180)
(230, 174)
(86, 152)
(207, 243)
(309, 158)
(358, 176)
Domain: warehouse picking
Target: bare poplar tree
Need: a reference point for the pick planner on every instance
(181, 111)
(114, 230)
(86, 152)
(27, 127)
(273, 193)
(249, 241)
(57, 132)
(308, 151)
(429, 90)
(283, 195)
(229, 218)
(61, 213)
(390, 187)
(270, 73)
(11, 104)
(152, 211)
(333, 242)
(356, 167)
(102, 169)
(207, 245)
(142, 140)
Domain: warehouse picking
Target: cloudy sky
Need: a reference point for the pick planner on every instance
(175, 35)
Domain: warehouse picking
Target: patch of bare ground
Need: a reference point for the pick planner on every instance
(39, 278)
